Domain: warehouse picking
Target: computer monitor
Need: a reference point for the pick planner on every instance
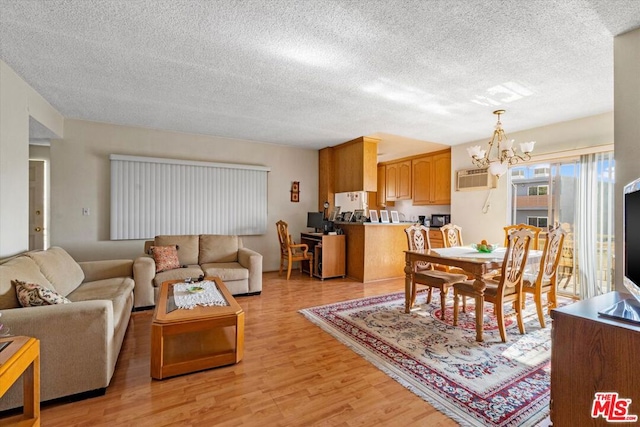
(315, 220)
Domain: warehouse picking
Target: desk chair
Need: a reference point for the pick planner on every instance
(507, 289)
(292, 252)
(545, 280)
(424, 273)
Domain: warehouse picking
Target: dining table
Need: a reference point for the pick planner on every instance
(477, 263)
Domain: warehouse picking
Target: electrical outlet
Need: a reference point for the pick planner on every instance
(85, 211)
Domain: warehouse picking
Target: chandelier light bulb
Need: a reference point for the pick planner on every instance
(498, 169)
(527, 147)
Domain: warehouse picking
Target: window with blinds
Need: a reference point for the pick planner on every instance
(153, 196)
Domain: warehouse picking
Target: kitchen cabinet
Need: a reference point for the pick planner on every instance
(398, 176)
(326, 185)
(431, 175)
(355, 165)
(382, 186)
(435, 238)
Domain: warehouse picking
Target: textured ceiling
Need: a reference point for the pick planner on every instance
(317, 73)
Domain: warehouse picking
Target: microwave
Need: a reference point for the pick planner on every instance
(438, 220)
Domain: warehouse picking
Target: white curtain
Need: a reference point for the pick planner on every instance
(594, 224)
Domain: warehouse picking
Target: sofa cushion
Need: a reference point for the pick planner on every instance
(59, 268)
(187, 246)
(117, 290)
(227, 271)
(20, 268)
(166, 257)
(216, 248)
(34, 295)
(193, 271)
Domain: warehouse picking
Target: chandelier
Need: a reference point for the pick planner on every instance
(505, 153)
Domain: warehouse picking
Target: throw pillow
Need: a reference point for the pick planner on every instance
(166, 257)
(33, 295)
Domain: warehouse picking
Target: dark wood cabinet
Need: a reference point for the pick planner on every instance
(591, 354)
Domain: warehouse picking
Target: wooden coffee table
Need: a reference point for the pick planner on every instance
(190, 340)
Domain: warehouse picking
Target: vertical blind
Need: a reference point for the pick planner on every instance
(153, 196)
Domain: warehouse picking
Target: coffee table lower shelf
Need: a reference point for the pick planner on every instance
(195, 343)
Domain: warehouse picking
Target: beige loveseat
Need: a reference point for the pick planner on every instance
(79, 341)
(207, 255)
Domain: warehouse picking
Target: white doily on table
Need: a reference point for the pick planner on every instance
(209, 296)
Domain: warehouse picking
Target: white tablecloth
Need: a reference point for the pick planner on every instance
(469, 252)
(533, 258)
(208, 297)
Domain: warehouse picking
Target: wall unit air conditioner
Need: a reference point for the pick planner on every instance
(475, 179)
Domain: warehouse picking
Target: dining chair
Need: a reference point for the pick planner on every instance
(424, 272)
(292, 252)
(507, 289)
(545, 281)
(452, 236)
(535, 230)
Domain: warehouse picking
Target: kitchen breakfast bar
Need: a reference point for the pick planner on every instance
(375, 251)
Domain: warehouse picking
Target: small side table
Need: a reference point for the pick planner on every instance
(22, 358)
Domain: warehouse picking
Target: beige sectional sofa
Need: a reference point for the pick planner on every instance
(207, 255)
(79, 341)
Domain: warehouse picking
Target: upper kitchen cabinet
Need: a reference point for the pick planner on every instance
(382, 186)
(355, 165)
(398, 175)
(432, 179)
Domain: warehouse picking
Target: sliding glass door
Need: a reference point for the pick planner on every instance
(576, 193)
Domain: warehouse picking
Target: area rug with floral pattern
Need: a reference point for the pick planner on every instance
(477, 384)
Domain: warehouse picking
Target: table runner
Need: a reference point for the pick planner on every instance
(210, 296)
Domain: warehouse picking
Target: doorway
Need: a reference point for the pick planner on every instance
(37, 213)
(577, 194)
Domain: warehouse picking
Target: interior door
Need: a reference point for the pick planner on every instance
(36, 205)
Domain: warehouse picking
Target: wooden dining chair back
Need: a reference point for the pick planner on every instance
(507, 289)
(418, 240)
(423, 273)
(545, 281)
(451, 235)
(291, 252)
(535, 230)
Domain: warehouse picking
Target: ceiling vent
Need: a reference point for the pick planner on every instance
(475, 179)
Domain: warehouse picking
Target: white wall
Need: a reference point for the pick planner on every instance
(627, 127)
(466, 206)
(18, 101)
(80, 177)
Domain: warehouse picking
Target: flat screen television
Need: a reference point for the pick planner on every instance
(315, 220)
(629, 309)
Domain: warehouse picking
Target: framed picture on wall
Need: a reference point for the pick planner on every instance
(373, 215)
(395, 218)
(384, 216)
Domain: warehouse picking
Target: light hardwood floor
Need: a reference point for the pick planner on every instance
(292, 374)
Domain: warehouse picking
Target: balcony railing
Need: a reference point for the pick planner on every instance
(532, 201)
